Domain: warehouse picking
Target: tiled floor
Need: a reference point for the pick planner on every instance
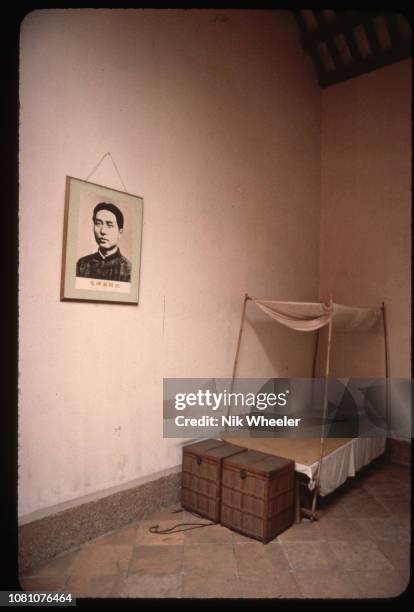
(360, 547)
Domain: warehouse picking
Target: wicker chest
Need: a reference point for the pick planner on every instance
(201, 477)
(258, 494)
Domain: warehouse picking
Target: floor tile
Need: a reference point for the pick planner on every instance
(325, 584)
(378, 583)
(144, 536)
(309, 555)
(333, 509)
(356, 493)
(390, 472)
(156, 560)
(239, 537)
(271, 585)
(257, 558)
(209, 585)
(97, 558)
(358, 555)
(251, 559)
(59, 566)
(398, 553)
(396, 506)
(172, 509)
(276, 553)
(384, 528)
(43, 583)
(388, 489)
(359, 547)
(126, 535)
(365, 508)
(91, 585)
(212, 533)
(205, 558)
(306, 531)
(340, 529)
(153, 586)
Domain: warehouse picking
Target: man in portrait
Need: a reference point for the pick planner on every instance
(107, 263)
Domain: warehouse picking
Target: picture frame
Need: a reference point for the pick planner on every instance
(102, 236)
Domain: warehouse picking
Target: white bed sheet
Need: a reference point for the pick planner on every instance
(342, 463)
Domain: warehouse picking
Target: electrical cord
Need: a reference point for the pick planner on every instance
(173, 529)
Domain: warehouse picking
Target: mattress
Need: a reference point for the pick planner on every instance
(342, 458)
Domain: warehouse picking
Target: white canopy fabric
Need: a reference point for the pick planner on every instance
(310, 316)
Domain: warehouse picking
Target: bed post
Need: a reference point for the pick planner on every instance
(387, 368)
(236, 357)
(315, 354)
(298, 510)
(325, 405)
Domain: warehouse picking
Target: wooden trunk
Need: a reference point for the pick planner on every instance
(258, 493)
(201, 476)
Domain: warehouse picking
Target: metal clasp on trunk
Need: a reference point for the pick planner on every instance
(243, 474)
(199, 460)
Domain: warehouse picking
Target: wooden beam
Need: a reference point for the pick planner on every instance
(300, 21)
(393, 29)
(317, 61)
(320, 20)
(345, 22)
(329, 40)
(336, 56)
(371, 35)
(355, 69)
(353, 47)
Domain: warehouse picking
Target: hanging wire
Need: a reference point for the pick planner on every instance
(115, 166)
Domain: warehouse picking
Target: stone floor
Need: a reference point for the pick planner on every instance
(359, 547)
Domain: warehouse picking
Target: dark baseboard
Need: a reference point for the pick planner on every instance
(399, 451)
(44, 539)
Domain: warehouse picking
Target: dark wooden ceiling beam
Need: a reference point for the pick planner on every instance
(371, 35)
(384, 58)
(330, 43)
(352, 45)
(328, 29)
(393, 29)
(299, 20)
(317, 60)
(345, 23)
(336, 57)
(313, 50)
(320, 19)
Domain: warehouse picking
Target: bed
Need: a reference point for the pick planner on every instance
(343, 457)
(323, 463)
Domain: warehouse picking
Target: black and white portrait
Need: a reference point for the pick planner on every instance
(103, 230)
(107, 263)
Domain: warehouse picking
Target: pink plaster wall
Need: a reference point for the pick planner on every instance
(213, 117)
(365, 241)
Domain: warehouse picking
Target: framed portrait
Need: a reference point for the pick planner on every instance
(101, 244)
